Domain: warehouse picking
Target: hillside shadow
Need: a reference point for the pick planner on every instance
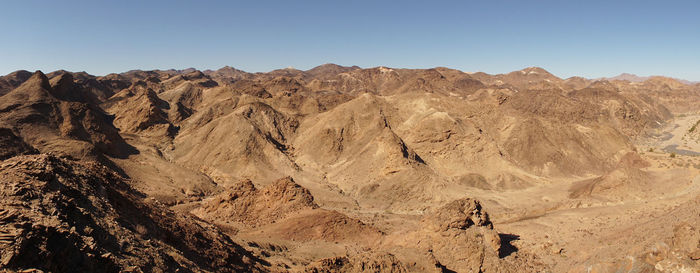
(506, 247)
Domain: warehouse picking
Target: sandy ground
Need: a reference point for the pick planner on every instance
(675, 137)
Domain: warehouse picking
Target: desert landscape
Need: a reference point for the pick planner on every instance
(348, 169)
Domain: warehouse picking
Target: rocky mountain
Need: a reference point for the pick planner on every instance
(47, 119)
(345, 169)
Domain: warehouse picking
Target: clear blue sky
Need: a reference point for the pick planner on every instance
(586, 38)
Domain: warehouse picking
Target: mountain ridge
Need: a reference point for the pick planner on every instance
(622, 76)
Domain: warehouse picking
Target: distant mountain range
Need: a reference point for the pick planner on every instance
(635, 78)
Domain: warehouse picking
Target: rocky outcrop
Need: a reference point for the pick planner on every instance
(284, 210)
(59, 215)
(460, 214)
(367, 262)
(461, 235)
(254, 207)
